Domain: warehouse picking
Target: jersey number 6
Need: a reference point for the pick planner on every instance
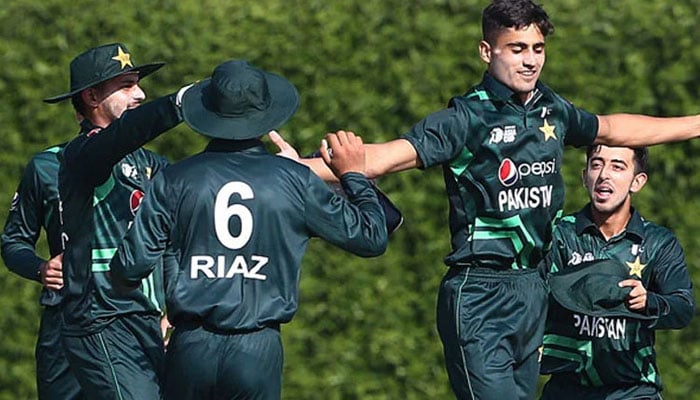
(223, 212)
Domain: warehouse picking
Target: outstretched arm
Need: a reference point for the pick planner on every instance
(381, 158)
(633, 130)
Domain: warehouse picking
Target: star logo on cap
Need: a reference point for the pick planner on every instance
(636, 267)
(548, 130)
(123, 58)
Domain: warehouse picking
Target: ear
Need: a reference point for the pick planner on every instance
(90, 97)
(583, 178)
(638, 182)
(485, 51)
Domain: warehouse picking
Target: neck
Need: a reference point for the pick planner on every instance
(613, 223)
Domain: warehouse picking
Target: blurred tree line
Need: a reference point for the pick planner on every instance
(365, 328)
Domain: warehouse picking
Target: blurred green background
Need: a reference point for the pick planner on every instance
(365, 328)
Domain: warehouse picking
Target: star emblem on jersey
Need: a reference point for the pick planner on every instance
(123, 58)
(636, 267)
(548, 130)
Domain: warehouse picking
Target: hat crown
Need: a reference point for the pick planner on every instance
(98, 64)
(239, 102)
(238, 90)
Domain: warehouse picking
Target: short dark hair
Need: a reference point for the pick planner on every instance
(640, 158)
(78, 104)
(503, 14)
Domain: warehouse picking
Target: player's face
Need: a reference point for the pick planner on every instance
(610, 179)
(516, 58)
(118, 95)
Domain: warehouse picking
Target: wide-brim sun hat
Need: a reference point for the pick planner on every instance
(239, 101)
(99, 64)
(591, 288)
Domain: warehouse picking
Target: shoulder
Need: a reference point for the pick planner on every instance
(566, 227)
(474, 99)
(655, 233)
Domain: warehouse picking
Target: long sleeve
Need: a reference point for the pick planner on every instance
(143, 246)
(23, 226)
(670, 291)
(359, 227)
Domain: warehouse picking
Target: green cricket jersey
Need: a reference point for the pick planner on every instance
(240, 220)
(609, 350)
(102, 179)
(502, 169)
(35, 205)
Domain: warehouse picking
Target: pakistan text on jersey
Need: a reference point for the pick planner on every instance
(600, 327)
(525, 197)
(220, 267)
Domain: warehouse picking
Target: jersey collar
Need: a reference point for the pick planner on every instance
(504, 93)
(584, 222)
(223, 145)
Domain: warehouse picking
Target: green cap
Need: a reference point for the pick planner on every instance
(239, 101)
(591, 288)
(100, 64)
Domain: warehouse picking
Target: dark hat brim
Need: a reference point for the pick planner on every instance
(197, 112)
(143, 70)
(591, 288)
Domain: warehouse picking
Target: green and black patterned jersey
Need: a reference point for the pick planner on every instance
(240, 220)
(609, 350)
(502, 168)
(34, 206)
(102, 179)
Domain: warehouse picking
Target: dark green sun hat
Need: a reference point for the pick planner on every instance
(239, 101)
(591, 288)
(100, 64)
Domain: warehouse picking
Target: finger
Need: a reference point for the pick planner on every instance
(54, 280)
(358, 140)
(334, 141)
(54, 266)
(277, 140)
(628, 283)
(348, 138)
(325, 151)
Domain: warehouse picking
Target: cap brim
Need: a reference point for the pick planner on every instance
(200, 116)
(564, 287)
(143, 70)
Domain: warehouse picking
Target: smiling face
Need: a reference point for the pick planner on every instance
(610, 178)
(515, 58)
(108, 101)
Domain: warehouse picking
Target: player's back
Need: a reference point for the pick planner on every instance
(241, 228)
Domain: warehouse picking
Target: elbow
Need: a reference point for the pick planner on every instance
(377, 250)
(688, 315)
(375, 244)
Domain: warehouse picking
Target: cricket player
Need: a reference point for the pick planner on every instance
(240, 220)
(35, 207)
(113, 341)
(593, 356)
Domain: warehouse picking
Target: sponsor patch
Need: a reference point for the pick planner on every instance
(135, 201)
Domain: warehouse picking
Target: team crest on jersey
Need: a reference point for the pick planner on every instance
(548, 130)
(505, 134)
(129, 171)
(135, 201)
(15, 202)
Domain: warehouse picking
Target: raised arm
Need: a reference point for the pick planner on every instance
(634, 130)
